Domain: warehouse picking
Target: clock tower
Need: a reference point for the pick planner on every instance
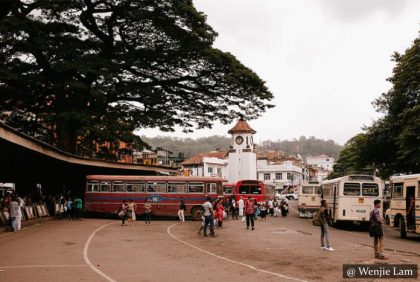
(242, 158)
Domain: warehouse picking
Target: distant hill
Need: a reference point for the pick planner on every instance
(304, 146)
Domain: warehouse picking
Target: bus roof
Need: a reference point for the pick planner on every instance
(154, 178)
(405, 177)
(354, 177)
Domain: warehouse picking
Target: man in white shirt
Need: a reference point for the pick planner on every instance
(271, 207)
(241, 207)
(208, 217)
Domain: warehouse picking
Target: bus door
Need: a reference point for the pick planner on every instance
(335, 205)
(410, 207)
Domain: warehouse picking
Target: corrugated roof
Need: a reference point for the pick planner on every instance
(198, 158)
(242, 127)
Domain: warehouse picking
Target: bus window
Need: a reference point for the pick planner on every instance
(196, 188)
(158, 187)
(351, 189)
(307, 190)
(93, 186)
(317, 190)
(212, 188)
(244, 189)
(118, 186)
(177, 187)
(227, 189)
(255, 190)
(135, 187)
(397, 191)
(105, 186)
(370, 189)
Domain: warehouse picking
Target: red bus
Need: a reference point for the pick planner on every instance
(254, 188)
(104, 193)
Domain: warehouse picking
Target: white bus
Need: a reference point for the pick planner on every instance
(309, 198)
(403, 188)
(350, 198)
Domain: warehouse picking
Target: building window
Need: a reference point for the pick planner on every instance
(267, 176)
(210, 169)
(279, 176)
(289, 176)
(219, 170)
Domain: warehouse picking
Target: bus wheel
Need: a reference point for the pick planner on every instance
(196, 213)
(403, 231)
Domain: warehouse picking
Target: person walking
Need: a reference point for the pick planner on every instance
(208, 217)
(324, 218)
(148, 211)
(375, 230)
(241, 207)
(122, 212)
(249, 212)
(181, 211)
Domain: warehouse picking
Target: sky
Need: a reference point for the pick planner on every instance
(325, 61)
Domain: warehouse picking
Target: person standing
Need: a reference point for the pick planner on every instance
(263, 210)
(284, 208)
(226, 206)
(249, 212)
(69, 204)
(233, 208)
(15, 213)
(375, 230)
(122, 212)
(78, 205)
(220, 209)
(324, 218)
(148, 211)
(131, 212)
(208, 217)
(181, 211)
(241, 207)
(271, 206)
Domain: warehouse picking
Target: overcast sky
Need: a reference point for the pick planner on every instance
(325, 61)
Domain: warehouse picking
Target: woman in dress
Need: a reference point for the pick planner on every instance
(263, 210)
(132, 207)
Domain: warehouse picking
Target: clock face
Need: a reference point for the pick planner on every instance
(239, 140)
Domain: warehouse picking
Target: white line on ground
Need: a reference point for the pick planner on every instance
(168, 230)
(42, 266)
(86, 258)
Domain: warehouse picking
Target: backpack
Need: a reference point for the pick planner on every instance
(249, 207)
(316, 220)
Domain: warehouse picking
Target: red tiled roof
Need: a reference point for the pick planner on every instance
(242, 127)
(198, 158)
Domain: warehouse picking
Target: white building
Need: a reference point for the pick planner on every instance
(206, 164)
(242, 158)
(285, 173)
(322, 161)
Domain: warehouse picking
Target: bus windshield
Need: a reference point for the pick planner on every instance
(370, 189)
(351, 189)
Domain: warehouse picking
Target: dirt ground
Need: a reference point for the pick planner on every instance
(279, 249)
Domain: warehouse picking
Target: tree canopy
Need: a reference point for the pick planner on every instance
(392, 143)
(78, 72)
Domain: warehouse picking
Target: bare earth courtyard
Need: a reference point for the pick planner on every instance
(279, 249)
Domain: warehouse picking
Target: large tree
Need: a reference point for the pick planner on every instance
(92, 70)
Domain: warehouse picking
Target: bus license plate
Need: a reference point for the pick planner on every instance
(361, 200)
(313, 199)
